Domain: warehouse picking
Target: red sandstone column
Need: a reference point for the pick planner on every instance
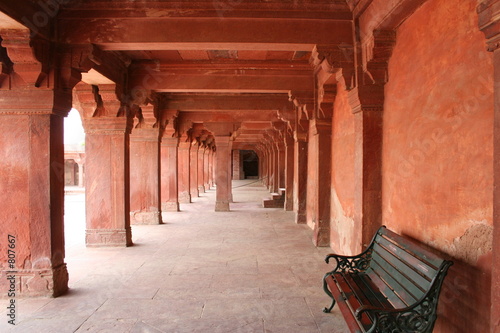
(222, 173)
(193, 170)
(281, 163)
(32, 190)
(183, 169)
(169, 174)
(145, 203)
(206, 169)
(201, 169)
(107, 189)
(236, 164)
(80, 174)
(300, 176)
(289, 169)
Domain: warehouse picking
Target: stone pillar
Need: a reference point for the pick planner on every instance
(281, 163)
(145, 203)
(206, 168)
(107, 193)
(193, 169)
(201, 169)
(81, 174)
(222, 173)
(169, 174)
(32, 190)
(107, 169)
(211, 177)
(289, 170)
(300, 177)
(323, 133)
(183, 168)
(236, 164)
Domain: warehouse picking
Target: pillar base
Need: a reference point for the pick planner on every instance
(145, 218)
(222, 206)
(184, 197)
(201, 189)
(300, 218)
(170, 206)
(321, 237)
(108, 237)
(207, 187)
(49, 282)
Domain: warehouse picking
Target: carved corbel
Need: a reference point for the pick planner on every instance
(377, 52)
(30, 58)
(335, 60)
(489, 23)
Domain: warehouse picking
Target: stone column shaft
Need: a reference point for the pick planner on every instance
(145, 176)
(183, 172)
(300, 180)
(32, 190)
(193, 170)
(222, 173)
(169, 175)
(201, 170)
(107, 188)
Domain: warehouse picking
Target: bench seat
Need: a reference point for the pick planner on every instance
(393, 286)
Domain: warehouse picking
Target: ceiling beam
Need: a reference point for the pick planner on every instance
(204, 33)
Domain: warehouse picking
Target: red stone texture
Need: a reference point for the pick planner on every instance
(343, 177)
(144, 180)
(312, 178)
(32, 165)
(300, 181)
(437, 156)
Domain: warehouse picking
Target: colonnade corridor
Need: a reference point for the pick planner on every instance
(248, 270)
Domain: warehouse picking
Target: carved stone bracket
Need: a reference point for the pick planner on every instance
(334, 58)
(489, 22)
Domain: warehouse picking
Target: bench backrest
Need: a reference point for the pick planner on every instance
(401, 269)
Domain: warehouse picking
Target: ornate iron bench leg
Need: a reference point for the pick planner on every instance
(325, 288)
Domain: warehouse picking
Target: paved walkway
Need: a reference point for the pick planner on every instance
(248, 270)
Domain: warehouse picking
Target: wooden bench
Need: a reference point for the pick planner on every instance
(393, 286)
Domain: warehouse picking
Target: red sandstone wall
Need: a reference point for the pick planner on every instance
(438, 151)
(342, 189)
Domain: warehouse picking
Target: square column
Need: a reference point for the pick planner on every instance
(300, 178)
(183, 171)
(169, 175)
(223, 173)
(289, 170)
(32, 191)
(319, 172)
(193, 170)
(145, 202)
(201, 169)
(206, 168)
(107, 181)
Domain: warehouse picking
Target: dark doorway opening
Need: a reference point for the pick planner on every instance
(250, 164)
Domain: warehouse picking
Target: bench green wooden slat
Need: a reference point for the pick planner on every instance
(414, 263)
(406, 292)
(394, 259)
(385, 289)
(428, 257)
(393, 277)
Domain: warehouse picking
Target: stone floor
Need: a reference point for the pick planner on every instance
(248, 270)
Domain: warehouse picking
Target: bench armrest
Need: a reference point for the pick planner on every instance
(352, 264)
